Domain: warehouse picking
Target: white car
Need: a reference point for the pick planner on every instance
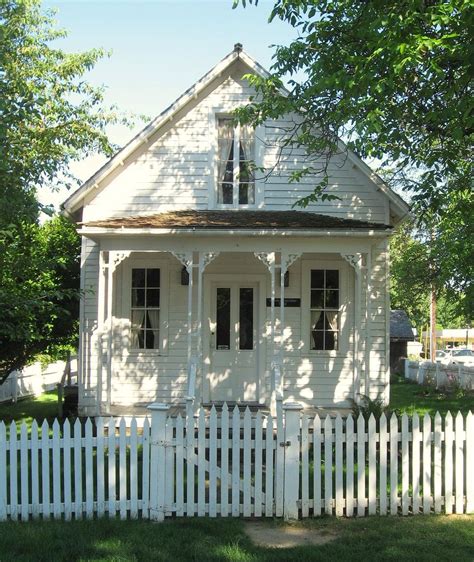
(458, 356)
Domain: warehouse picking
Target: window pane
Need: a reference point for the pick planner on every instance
(153, 298)
(330, 340)
(332, 299)
(317, 340)
(153, 277)
(223, 318)
(138, 277)
(225, 158)
(317, 320)
(317, 299)
(332, 279)
(246, 319)
(138, 297)
(317, 278)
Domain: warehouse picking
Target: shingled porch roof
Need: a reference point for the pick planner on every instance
(237, 220)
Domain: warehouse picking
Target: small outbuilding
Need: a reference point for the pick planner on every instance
(401, 332)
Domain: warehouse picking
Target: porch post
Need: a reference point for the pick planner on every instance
(268, 259)
(368, 320)
(286, 260)
(204, 259)
(355, 260)
(115, 259)
(103, 272)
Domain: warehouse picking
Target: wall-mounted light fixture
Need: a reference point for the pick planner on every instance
(184, 276)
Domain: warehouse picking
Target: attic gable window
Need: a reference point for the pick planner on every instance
(235, 156)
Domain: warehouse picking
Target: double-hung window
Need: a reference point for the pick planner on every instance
(235, 163)
(325, 309)
(145, 308)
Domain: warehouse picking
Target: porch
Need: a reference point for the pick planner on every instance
(250, 362)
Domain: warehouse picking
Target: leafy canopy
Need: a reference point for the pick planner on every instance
(49, 116)
(393, 78)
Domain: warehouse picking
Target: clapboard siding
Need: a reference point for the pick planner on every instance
(175, 171)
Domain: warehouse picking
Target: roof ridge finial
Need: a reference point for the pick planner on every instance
(238, 47)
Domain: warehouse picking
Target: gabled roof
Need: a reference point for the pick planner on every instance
(74, 201)
(400, 326)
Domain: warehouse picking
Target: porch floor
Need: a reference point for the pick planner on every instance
(141, 411)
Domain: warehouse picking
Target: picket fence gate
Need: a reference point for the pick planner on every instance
(234, 463)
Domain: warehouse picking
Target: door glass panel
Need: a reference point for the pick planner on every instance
(223, 318)
(246, 319)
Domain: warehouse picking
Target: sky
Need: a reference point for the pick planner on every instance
(159, 48)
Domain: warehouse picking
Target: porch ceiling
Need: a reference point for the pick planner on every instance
(238, 220)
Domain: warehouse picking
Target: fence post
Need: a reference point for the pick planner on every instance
(407, 368)
(292, 445)
(157, 461)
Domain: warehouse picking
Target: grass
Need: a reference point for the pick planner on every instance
(409, 397)
(40, 407)
(390, 538)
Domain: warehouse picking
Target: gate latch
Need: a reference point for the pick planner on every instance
(285, 443)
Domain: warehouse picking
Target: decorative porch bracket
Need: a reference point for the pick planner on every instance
(355, 261)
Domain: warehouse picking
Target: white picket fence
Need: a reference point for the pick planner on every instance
(440, 375)
(234, 463)
(33, 380)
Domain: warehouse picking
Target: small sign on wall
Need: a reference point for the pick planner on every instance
(289, 303)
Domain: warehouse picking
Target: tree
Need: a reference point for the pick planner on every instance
(392, 78)
(49, 116)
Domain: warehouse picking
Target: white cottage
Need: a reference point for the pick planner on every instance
(204, 284)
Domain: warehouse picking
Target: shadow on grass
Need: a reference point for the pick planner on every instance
(390, 538)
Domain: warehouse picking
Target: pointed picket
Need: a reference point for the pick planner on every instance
(317, 488)
(213, 463)
(3, 473)
(123, 468)
(437, 463)
(372, 452)
(459, 463)
(349, 466)
(304, 466)
(361, 439)
(339, 440)
(100, 447)
(77, 441)
(383, 438)
(13, 472)
(201, 508)
(280, 461)
(111, 469)
(45, 470)
(190, 467)
(179, 466)
(247, 450)
(393, 464)
(426, 464)
(269, 467)
(405, 465)
(225, 461)
(415, 464)
(24, 477)
(169, 467)
(67, 470)
(56, 446)
(448, 463)
(328, 464)
(469, 462)
(35, 487)
(145, 468)
(235, 462)
(258, 465)
(133, 469)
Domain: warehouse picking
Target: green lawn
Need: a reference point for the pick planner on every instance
(391, 538)
(28, 409)
(409, 397)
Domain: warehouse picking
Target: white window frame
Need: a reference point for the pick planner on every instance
(223, 112)
(344, 328)
(161, 263)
